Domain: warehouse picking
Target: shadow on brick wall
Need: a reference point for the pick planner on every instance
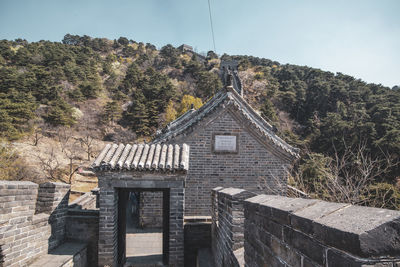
(53, 200)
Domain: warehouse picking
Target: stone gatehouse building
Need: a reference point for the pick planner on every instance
(148, 169)
(224, 143)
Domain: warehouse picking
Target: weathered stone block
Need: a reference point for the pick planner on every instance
(363, 231)
(304, 244)
(335, 258)
(285, 253)
(303, 220)
(272, 227)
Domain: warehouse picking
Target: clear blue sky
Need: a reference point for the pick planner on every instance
(356, 37)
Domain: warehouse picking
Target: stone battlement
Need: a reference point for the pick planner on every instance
(32, 220)
(23, 234)
(254, 230)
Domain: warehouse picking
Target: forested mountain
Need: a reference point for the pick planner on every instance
(348, 130)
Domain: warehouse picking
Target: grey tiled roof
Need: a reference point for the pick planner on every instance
(227, 97)
(143, 157)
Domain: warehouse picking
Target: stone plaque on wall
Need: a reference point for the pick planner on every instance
(225, 143)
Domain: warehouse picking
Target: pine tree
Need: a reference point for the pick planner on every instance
(134, 78)
(268, 111)
(112, 112)
(138, 115)
(208, 83)
(152, 108)
(16, 109)
(7, 129)
(60, 113)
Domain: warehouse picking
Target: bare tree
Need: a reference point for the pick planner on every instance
(37, 135)
(38, 127)
(347, 177)
(87, 142)
(64, 135)
(88, 134)
(50, 165)
(72, 151)
(273, 183)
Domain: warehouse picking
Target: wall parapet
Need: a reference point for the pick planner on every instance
(53, 200)
(282, 231)
(228, 225)
(83, 226)
(31, 220)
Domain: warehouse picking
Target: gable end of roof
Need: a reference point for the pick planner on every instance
(229, 98)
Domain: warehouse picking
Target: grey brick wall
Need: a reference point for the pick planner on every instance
(24, 235)
(53, 200)
(197, 237)
(83, 226)
(176, 230)
(78, 260)
(150, 209)
(253, 168)
(229, 233)
(305, 232)
(214, 217)
(108, 226)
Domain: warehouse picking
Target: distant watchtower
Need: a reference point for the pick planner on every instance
(185, 47)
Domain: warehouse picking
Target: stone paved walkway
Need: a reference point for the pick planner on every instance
(205, 258)
(60, 256)
(144, 249)
(143, 246)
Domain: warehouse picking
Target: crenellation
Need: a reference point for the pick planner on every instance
(27, 231)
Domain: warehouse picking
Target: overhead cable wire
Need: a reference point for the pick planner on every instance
(212, 27)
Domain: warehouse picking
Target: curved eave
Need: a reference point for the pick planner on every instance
(142, 157)
(156, 172)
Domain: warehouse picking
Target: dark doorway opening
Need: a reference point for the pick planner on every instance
(143, 238)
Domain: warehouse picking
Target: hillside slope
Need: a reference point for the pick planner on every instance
(95, 90)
